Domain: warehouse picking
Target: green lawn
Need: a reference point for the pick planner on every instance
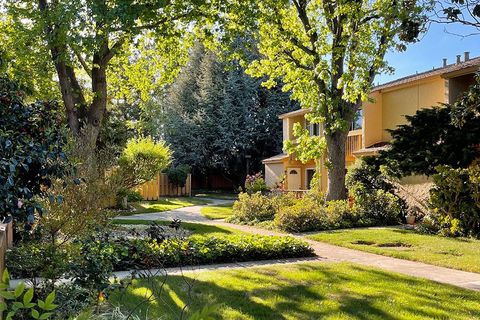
(221, 211)
(164, 204)
(457, 253)
(195, 228)
(302, 291)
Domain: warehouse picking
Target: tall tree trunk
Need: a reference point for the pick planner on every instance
(336, 171)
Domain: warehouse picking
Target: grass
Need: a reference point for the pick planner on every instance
(301, 291)
(221, 211)
(456, 253)
(164, 204)
(195, 228)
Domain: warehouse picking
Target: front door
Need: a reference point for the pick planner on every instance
(294, 179)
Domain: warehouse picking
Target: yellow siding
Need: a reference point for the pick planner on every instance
(372, 120)
(398, 102)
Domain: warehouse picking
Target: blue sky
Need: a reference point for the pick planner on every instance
(435, 45)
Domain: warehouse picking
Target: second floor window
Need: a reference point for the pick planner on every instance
(313, 129)
(358, 122)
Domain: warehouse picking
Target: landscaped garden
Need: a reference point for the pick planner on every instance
(103, 101)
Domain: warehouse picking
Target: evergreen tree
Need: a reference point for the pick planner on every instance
(214, 115)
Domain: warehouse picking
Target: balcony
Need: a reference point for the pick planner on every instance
(354, 143)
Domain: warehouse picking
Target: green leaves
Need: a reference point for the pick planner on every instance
(20, 299)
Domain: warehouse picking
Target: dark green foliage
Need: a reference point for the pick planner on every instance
(214, 115)
(177, 175)
(124, 254)
(455, 202)
(445, 135)
(375, 201)
(31, 142)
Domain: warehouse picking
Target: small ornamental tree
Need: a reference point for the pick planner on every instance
(31, 142)
(141, 160)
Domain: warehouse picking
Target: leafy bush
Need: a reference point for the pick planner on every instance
(309, 215)
(31, 260)
(375, 201)
(377, 208)
(455, 202)
(253, 208)
(255, 183)
(31, 146)
(178, 175)
(18, 303)
(141, 160)
(147, 253)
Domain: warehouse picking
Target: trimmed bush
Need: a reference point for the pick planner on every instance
(252, 208)
(195, 250)
(308, 215)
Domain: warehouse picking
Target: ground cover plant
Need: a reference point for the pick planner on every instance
(456, 253)
(220, 211)
(303, 291)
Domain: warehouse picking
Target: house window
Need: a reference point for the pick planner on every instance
(293, 172)
(313, 129)
(358, 122)
(310, 173)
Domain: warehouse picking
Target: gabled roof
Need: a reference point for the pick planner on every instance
(277, 158)
(446, 72)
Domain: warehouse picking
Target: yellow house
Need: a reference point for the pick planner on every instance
(388, 105)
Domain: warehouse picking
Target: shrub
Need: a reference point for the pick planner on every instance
(141, 160)
(455, 202)
(253, 208)
(377, 208)
(255, 183)
(18, 303)
(126, 253)
(309, 215)
(31, 143)
(375, 201)
(178, 175)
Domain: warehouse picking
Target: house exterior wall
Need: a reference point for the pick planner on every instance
(372, 120)
(406, 100)
(274, 172)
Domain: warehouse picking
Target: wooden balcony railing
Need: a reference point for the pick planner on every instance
(354, 143)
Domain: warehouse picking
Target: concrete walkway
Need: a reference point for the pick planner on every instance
(325, 252)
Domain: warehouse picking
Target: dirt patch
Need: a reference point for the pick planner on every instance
(396, 244)
(363, 242)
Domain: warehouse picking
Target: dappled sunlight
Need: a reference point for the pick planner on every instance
(314, 291)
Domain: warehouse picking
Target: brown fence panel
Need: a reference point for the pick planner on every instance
(161, 187)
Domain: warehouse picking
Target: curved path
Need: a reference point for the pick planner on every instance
(325, 252)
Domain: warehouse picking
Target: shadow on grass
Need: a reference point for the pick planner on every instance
(195, 228)
(303, 291)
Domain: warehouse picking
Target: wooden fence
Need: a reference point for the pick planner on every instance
(6, 241)
(161, 187)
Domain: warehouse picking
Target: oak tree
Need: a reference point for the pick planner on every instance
(327, 52)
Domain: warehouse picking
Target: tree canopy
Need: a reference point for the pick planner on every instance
(133, 44)
(214, 115)
(327, 53)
